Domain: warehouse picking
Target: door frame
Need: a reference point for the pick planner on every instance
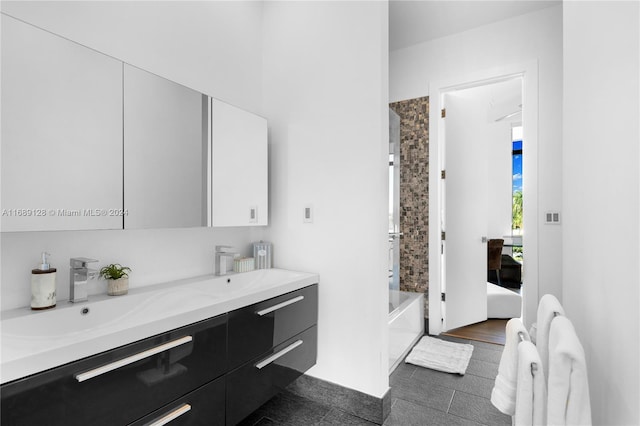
(528, 71)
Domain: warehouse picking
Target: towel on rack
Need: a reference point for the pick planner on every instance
(503, 395)
(533, 332)
(531, 395)
(547, 309)
(568, 390)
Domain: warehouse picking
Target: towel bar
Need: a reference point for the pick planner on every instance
(534, 366)
(523, 338)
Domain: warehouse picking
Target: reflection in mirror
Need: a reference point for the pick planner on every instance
(61, 133)
(166, 153)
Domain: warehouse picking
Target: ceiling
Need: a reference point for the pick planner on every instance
(416, 21)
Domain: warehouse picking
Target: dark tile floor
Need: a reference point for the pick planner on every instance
(419, 397)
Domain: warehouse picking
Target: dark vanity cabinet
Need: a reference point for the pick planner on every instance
(213, 372)
(256, 329)
(255, 382)
(271, 343)
(120, 386)
(202, 407)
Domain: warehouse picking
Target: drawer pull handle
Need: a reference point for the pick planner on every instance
(81, 377)
(277, 355)
(183, 409)
(279, 306)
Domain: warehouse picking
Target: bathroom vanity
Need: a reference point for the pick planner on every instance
(254, 336)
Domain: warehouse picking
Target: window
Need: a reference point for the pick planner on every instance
(516, 189)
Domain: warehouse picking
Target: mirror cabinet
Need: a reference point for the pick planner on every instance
(243, 201)
(61, 133)
(166, 150)
(90, 142)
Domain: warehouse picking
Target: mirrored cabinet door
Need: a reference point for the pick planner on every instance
(166, 153)
(240, 172)
(61, 133)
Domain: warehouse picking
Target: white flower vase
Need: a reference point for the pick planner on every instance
(118, 287)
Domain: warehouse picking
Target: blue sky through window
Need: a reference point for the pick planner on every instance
(517, 165)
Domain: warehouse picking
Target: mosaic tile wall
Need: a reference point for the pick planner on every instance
(414, 195)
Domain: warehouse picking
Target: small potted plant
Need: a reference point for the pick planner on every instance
(117, 277)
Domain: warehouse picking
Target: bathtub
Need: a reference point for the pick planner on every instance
(406, 324)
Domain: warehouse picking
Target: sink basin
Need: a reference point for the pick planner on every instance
(66, 321)
(111, 313)
(241, 283)
(33, 341)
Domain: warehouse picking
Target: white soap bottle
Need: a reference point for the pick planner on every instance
(43, 285)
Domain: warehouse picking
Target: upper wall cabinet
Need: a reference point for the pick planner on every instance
(89, 142)
(166, 153)
(240, 172)
(61, 133)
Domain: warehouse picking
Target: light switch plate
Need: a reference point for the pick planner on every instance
(307, 214)
(552, 218)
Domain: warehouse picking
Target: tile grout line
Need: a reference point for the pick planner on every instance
(412, 373)
(451, 401)
(323, 417)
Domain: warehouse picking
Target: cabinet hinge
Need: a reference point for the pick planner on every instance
(443, 174)
(443, 235)
(443, 297)
(443, 112)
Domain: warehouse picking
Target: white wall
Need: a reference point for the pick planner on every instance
(533, 37)
(601, 199)
(499, 153)
(325, 93)
(213, 47)
(503, 99)
(210, 46)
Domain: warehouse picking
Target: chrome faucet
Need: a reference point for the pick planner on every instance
(222, 253)
(79, 276)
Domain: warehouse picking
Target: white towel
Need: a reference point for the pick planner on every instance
(531, 396)
(533, 332)
(503, 395)
(547, 308)
(568, 402)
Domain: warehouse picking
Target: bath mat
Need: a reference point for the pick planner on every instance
(441, 355)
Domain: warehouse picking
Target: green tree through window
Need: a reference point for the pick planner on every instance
(516, 191)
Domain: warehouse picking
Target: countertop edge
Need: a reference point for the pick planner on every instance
(26, 366)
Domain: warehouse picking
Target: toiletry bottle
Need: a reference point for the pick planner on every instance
(43, 285)
(262, 254)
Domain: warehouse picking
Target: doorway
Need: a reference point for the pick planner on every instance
(458, 309)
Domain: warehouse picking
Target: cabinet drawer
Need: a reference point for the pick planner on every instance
(202, 407)
(257, 328)
(254, 383)
(121, 385)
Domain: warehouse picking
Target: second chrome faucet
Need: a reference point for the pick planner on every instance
(79, 276)
(223, 253)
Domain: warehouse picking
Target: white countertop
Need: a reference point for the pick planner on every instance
(34, 341)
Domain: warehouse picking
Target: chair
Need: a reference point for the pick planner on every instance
(494, 257)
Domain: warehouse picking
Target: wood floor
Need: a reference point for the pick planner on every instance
(489, 331)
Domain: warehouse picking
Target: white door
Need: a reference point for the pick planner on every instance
(465, 211)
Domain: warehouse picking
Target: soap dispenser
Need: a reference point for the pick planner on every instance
(43, 285)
